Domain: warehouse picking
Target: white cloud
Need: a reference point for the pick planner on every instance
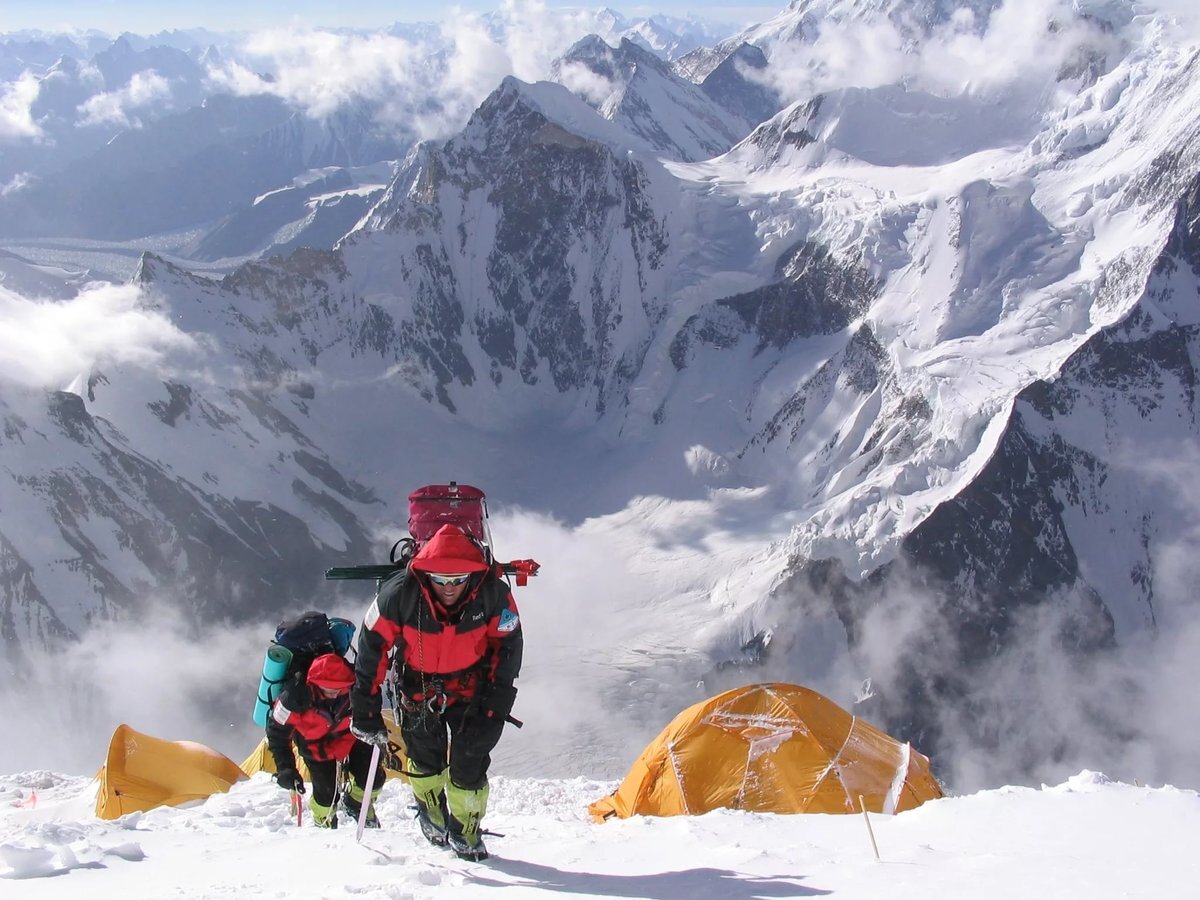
(16, 109)
(475, 65)
(1019, 44)
(17, 183)
(320, 72)
(114, 107)
(430, 89)
(581, 80)
(533, 37)
(46, 344)
(188, 685)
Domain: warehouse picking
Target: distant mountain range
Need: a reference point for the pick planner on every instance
(943, 343)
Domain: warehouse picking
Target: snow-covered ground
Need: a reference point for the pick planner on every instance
(1088, 837)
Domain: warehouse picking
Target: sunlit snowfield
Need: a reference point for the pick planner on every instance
(1085, 838)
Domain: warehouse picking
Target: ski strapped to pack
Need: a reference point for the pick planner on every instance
(429, 508)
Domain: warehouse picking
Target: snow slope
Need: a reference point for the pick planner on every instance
(1087, 837)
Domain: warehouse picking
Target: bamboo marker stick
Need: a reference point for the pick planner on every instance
(862, 804)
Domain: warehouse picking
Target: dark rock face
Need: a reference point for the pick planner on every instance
(814, 295)
(571, 214)
(735, 92)
(793, 129)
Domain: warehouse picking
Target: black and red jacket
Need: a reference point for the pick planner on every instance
(319, 725)
(438, 651)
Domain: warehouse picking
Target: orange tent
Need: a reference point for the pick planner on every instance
(142, 772)
(770, 748)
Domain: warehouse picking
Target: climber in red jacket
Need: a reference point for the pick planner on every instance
(313, 712)
(456, 635)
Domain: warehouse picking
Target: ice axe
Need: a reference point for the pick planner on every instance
(367, 794)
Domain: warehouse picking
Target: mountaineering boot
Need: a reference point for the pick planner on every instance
(322, 816)
(466, 849)
(466, 809)
(429, 791)
(435, 834)
(352, 804)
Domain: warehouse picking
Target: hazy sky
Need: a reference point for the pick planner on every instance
(150, 16)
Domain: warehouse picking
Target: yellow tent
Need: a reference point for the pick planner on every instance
(142, 772)
(260, 759)
(770, 748)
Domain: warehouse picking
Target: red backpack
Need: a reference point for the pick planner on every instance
(429, 508)
(435, 505)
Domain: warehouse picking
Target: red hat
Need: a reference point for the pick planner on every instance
(450, 552)
(331, 671)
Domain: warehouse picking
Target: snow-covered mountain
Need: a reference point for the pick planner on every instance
(97, 527)
(890, 398)
(668, 37)
(36, 52)
(99, 133)
(804, 20)
(639, 92)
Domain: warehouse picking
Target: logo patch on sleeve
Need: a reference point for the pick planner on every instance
(509, 621)
(281, 713)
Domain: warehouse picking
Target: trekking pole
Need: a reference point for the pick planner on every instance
(298, 808)
(368, 792)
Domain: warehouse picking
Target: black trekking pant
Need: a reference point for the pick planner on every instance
(462, 737)
(324, 772)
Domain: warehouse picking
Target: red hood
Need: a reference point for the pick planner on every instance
(331, 671)
(450, 552)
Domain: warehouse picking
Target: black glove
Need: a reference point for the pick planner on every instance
(290, 780)
(370, 730)
(496, 700)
